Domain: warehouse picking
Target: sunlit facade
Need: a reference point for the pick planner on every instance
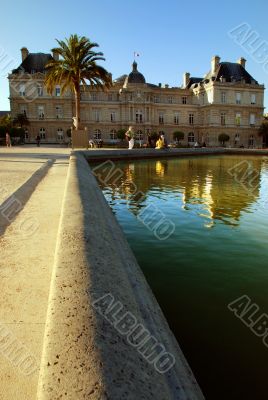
(226, 100)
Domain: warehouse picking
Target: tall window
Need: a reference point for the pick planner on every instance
(184, 100)
(113, 135)
(156, 99)
(161, 118)
(223, 115)
(110, 97)
(238, 119)
(58, 112)
(112, 116)
(41, 112)
(93, 96)
(253, 98)
(223, 97)
(176, 118)
(57, 91)
(138, 116)
(237, 138)
(23, 109)
(97, 134)
(97, 115)
(251, 140)
(22, 89)
(191, 119)
(40, 91)
(139, 135)
(191, 137)
(238, 98)
(42, 133)
(252, 119)
(26, 134)
(170, 99)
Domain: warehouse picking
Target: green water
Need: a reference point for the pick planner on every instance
(217, 253)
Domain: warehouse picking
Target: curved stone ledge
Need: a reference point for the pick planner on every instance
(88, 353)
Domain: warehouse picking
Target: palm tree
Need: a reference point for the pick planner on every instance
(76, 65)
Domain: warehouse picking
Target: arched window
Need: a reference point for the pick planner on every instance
(237, 138)
(42, 133)
(191, 137)
(113, 135)
(97, 134)
(60, 134)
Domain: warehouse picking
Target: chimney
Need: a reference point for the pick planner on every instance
(214, 64)
(186, 78)
(166, 86)
(242, 61)
(55, 55)
(24, 53)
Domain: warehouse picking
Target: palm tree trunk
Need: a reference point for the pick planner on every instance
(77, 106)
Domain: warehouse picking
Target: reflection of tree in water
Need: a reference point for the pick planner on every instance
(202, 184)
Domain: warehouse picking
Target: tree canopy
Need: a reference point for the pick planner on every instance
(75, 63)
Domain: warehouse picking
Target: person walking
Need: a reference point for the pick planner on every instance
(38, 139)
(8, 140)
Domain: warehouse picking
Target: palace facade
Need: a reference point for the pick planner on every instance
(226, 100)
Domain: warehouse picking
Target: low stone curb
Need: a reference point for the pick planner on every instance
(85, 356)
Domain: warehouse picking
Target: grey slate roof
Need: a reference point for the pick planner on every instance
(34, 62)
(193, 80)
(231, 72)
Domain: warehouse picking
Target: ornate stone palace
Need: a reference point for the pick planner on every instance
(226, 100)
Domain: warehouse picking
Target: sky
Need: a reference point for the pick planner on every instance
(171, 36)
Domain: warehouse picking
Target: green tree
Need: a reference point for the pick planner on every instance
(121, 134)
(223, 137)
(6, 121)
(21, 120)
(178, 135)
(76, 65)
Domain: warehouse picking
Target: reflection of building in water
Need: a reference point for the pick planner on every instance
(203, 185)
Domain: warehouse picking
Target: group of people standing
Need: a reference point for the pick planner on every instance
(161, 142)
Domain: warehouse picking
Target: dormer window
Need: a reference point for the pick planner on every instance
(184, 100)
(22, 90)
(57, 91)
(40, 90)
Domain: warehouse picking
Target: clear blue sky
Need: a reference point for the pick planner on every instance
(171, 36)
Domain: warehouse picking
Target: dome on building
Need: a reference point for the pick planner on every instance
(135, 76)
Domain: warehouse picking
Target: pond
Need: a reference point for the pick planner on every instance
(198, 227)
